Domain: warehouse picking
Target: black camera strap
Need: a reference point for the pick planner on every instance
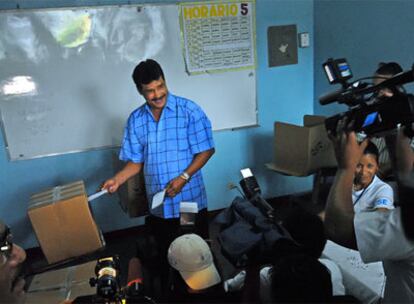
(362, 193)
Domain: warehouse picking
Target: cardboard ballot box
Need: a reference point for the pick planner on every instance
(63, 222)
(58, 285)
(302, 150)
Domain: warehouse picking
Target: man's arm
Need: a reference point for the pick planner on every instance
(199, 160)
(122, 176)
(339, 210)
(402, 157)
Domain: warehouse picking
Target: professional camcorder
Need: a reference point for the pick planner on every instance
(108, 286)
(248, 227)
(6, 242)
(370, 113)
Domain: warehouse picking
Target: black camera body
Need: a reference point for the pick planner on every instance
(6, 240)
(378, 118)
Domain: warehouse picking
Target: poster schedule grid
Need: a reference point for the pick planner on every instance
(218, 36)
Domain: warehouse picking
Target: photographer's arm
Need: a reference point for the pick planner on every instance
(339, 210)
(402, 157)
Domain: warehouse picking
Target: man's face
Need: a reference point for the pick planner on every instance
(155, 93)
(12, 287)
(366, 170)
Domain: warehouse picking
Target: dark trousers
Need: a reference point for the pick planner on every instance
(167, 230)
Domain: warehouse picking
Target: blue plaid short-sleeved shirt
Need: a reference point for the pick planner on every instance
(166, 148)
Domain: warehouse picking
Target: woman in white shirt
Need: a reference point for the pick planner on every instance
(369, 191)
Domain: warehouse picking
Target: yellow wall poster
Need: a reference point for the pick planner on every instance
(218, 35)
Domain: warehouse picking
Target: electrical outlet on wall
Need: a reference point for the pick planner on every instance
(304, 40)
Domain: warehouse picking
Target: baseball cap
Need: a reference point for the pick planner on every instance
(192, 257)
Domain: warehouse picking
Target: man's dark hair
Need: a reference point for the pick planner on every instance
(307, 230)
(145, 72)
(300, 278)
(390, 68)
(372, 149)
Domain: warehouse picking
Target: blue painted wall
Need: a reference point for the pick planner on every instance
(365, 32)
(283, 93)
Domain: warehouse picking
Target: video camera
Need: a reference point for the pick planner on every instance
(248, 227)
(371, 114)
(108, 286)
(6, 240)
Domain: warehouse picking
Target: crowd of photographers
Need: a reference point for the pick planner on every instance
(360, 214)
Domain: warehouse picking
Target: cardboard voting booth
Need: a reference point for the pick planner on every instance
(302, 150)
(63, 223)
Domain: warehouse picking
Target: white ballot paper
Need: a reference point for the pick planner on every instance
(158, 199)
(97, 194)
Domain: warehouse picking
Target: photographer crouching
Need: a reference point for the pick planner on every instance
(386, 235)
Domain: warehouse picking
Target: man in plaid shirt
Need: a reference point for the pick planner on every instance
(170, 138)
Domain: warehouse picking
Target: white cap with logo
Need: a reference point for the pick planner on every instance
(192, 257)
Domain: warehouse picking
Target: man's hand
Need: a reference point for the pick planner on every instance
(10, 293)
(11, 287)
(122, 176)
(174, 187)
(111, 185)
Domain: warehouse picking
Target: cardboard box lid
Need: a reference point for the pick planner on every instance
(57, 193)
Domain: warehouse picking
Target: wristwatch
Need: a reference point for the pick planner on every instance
(185, 176)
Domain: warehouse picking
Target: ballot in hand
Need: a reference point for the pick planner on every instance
(158, 199)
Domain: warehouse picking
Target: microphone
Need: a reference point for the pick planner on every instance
(135, 277)
(399, 79)
(331, 97)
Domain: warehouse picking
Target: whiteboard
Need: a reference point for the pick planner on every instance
(65, 76)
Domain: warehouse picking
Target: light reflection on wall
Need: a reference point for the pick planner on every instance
(70, 29)
(74, 30)
(19, 85)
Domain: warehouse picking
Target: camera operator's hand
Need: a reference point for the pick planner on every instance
(339, 210)
(348, 150)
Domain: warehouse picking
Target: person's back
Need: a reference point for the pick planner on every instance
(384, 240)
(300, 278)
